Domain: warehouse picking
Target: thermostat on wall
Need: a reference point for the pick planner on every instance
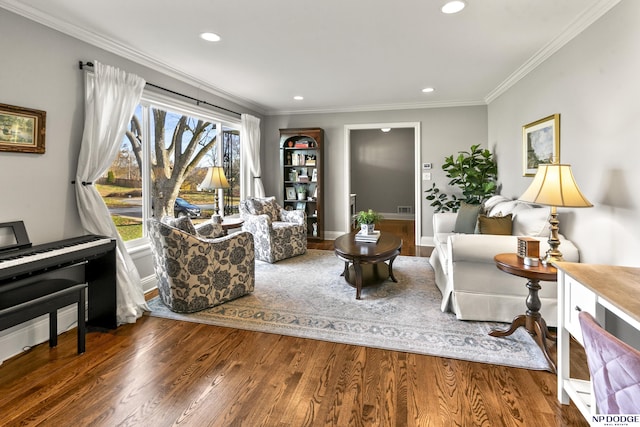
(426, 166)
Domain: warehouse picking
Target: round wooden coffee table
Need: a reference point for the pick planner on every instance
(364, 263)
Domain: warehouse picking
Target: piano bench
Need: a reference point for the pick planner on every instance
(40, 297)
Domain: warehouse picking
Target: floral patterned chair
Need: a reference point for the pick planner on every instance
(198, 269)
(277, 233)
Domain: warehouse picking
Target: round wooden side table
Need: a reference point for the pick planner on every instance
(532, 320)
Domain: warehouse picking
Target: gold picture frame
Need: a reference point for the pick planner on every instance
(22, 129)
(540, 143)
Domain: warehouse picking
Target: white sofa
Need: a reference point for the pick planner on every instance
(472, 286)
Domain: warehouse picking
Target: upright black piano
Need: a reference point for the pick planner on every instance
(21, 264)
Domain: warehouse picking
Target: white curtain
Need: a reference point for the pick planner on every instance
(111, 96)
(250, 146)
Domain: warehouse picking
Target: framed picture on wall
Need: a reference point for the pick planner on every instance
(540, 143)
(22, 129)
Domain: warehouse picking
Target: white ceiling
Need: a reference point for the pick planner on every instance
(341, 55)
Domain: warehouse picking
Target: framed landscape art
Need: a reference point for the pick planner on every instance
(22, 129)
(540, 143)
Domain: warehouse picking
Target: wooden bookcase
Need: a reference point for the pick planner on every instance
(302, 166)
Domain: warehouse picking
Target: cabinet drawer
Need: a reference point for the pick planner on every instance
(578, 297)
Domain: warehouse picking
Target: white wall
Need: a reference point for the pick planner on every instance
(40, 70)
(594, 83)
(444, 132)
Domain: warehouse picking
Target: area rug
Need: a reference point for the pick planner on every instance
(306, 297)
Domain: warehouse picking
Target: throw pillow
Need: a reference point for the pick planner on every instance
(495, 224)
(467, 218)
(532, 222)
(265, 206)
(182, 223)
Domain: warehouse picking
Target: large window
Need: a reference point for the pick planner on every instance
(163, 158)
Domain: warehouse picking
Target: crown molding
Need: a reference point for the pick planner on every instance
(123, 51)
(583, 21)
(378, 107)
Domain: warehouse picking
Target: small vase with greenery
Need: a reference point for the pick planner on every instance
(301, 190)
(367, 220)
(474, 172)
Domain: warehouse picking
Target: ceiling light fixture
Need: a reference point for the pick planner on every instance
(210, 37)
(453, 6)
(428, 90)
(385, 129)
(298, 98)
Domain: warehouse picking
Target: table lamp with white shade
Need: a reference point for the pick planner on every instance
(554, 185)
(215, 180)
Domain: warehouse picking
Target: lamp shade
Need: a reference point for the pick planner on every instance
(554, 185)
(215, 179)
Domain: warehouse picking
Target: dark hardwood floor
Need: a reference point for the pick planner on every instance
(160, 372)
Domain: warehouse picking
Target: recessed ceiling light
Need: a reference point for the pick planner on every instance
(298, 98)
(453, 6)
(385, 129)
(428, 90)
(210, 37)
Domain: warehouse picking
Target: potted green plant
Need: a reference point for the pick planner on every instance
(474, 172)
(301, 190)
(367, 220)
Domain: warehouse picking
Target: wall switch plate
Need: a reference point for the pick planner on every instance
(426, 176)
(426, 166)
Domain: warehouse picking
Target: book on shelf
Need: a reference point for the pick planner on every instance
(363, 237)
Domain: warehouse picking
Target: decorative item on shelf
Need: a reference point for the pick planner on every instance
(315, 229)
(302, 144)
(293, 175)
(528, 247)
(367, 220)
(301, 190)
(290, 143)
(291, 193)
(314, 175)
(300, 206)
(214, 181)
(310, 160)
(555, 186)
(303, 178)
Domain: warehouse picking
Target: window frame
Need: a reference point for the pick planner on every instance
(150, 100)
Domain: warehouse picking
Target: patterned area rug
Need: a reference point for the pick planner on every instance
(306, 297)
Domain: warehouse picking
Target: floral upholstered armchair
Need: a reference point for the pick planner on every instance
(197, 269)
(277, 233)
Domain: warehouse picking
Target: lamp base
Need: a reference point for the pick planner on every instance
(553, 254)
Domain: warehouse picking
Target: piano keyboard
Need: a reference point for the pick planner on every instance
(50, 250)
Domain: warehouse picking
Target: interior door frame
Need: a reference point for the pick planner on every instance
(417, 150)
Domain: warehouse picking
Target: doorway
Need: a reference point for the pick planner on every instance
(410, 170)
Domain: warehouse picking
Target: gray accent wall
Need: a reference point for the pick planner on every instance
(382, 169)
(594, 84)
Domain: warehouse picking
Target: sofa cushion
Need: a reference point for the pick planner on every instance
(467, 218)
(501, 225)
(532, 222)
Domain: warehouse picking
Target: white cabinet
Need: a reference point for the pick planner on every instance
(595, 289)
